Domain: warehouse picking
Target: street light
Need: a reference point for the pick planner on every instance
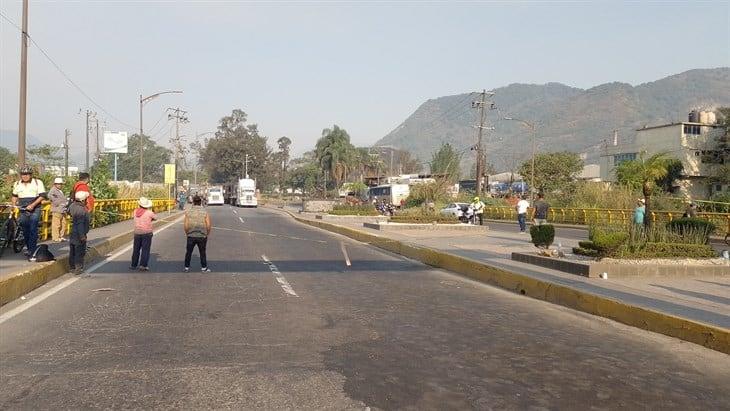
(531, 126)
(142, 101)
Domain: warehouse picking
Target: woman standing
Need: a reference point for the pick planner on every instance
(143, 218)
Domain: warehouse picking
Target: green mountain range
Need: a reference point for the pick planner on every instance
(566, 118)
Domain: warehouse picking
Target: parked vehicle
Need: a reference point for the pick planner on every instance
(389, 193)
(244, 193)
(215, 195)
(455, 209)
(11, 233)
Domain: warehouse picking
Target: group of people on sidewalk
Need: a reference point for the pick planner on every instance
(522, 206)
(29, 192)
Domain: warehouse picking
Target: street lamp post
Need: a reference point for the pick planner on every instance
(142, 101)
(531, 126)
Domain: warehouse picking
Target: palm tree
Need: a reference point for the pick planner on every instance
(644, 173)
(336, 154)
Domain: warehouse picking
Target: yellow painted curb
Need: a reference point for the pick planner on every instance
(716, 338)
(22, 283)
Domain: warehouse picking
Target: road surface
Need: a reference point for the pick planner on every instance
(284, 322)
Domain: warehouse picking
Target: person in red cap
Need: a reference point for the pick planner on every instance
(83, 185)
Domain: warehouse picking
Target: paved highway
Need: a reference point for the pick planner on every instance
(284, 322)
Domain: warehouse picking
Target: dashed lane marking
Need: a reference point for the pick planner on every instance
(241, 218)
(279, 277)
(344, 252)
(270, 235)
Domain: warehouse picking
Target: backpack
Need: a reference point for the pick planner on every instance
(43, 254)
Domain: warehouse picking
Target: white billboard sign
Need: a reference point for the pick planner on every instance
(115, 142)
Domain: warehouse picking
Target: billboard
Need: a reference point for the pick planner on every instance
(169, 173)
(115, 142)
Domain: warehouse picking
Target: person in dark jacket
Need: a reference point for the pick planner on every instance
(80, 222)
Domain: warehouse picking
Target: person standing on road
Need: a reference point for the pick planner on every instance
(478, 206)
(143, 218)
(521, 208)
(540, 212)
(58, 210)
(83, 185)
(197, 229)
(80, 223)
(691, 211)
(639, 212)
(28, 193)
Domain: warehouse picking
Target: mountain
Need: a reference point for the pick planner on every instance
(9, 140)
(567, 118)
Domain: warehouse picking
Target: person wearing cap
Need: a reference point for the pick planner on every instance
(83, 185)
(28, 193)
(478, 206)
(639, 212)
(143, 218)
(80, 223)
(58, 210)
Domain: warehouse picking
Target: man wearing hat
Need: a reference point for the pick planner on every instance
(58, 210)
(143, 218)
(28, 193)
(478, 207)
(80, 222)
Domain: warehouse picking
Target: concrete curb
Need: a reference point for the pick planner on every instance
(26, 281)
(715, 338)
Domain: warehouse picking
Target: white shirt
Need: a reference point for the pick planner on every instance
(522, 206)
(31, 189)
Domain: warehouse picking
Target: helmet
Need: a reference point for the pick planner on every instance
(26, 169)
(476, 198)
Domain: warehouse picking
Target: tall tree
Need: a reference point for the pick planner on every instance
(721, 173)
(45, 155)
(155, 156)
(282, 160)
(336, 154)
(644, 173)
(553, 171)
(446, 161)
(8, 160)
(406, 163)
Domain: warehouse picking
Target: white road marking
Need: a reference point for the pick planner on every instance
(269, 234)
(39, 298)
(279, 277)
(344, 251)
(235, 212)
(241, 218)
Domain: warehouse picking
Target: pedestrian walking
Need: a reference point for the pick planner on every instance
(540, 211)
(80, 223)
(691, 211)
(28, 193)
(143, 218)
(58, 210)
(83, 185)
(197, 229)
(640, 212)
(478, 206)
(181, 199)
(521, 208)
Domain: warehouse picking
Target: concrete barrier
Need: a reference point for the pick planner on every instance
(15, 286)
(706, 335)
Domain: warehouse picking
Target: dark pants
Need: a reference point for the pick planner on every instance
(201, 242)
(142, 244)
(521, 218)
(29, 223)
(480, 216)
(76, 255)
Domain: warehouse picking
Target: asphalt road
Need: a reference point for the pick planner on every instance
(306, 331)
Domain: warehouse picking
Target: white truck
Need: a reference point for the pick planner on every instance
(215, 195)
(245, 193)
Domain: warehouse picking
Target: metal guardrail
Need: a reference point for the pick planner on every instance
(105, 212)
(587, 216)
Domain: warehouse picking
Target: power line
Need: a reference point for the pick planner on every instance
(76, 86)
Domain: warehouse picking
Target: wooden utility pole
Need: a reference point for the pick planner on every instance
(480, 148)
(180, 116)
(23, 85)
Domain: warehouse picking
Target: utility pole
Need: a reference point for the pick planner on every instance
(246, 164)
(65, 154)
(142, 101)
(179, 116)
(97, 140)
(480, 150)
(23, 85)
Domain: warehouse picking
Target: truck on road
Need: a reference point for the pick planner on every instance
(243, 193)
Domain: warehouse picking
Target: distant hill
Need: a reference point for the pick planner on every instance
(567, 118)
(9, 140)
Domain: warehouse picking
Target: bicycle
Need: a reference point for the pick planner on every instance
(11, 233)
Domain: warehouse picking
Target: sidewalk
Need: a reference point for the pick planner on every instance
(705, 300)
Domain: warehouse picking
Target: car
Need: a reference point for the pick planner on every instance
(455, 209)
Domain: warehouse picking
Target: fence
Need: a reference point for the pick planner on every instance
(587, 216)
(105, 212)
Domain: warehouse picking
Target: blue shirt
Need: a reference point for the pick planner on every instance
(639, 213)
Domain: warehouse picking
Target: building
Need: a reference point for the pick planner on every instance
(695, 143)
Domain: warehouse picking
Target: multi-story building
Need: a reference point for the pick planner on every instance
(695, 143)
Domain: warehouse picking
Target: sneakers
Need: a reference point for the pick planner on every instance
(186, 269)
(143, 268)
(205, 270)
(132, 268)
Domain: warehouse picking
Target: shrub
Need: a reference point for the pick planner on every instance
(667, 250)
(586, 245)
(607, 242)
(420, 215)
(589, 252)
(437, 191)
(695, 229)
(344, 209)
(542, 235)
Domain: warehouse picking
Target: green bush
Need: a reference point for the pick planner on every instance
(345, 209)
(542, 235)
(437, 192)
(424, 219)
(589, 252)
(692, 228)
(608, 242)
(666, 250)
(586, 245)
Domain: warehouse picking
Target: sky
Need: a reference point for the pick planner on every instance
(298, 67)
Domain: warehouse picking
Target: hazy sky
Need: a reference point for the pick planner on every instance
(297, 68)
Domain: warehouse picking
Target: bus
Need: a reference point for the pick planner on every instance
(215, 195)
(390, 193)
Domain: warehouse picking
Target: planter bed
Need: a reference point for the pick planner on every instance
(389, 226)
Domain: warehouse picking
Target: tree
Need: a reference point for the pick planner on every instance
(644, 173)
(335, 154)
(675, 169)
(406, 163)
(155, 157)
(304, 177)
(282, 160)
(722, 171)
(224, 156)
(553, 171)
(45, 155)
(8, 161)
(446, 161)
